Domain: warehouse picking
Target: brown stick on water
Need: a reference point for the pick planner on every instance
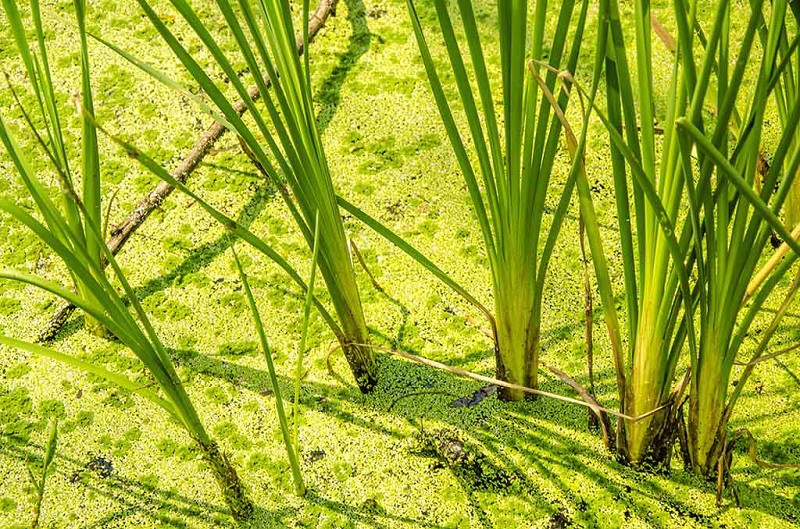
(121, 232)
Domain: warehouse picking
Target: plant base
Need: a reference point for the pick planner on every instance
(657, 453)
(362, 364)
(228, 480)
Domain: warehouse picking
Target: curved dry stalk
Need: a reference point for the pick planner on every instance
(770, 356)
(588, 214)
(770, 265)
(724, 478)
(588, 315)
(591, 403)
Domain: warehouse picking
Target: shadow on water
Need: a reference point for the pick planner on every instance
(329, 94)
(545, 434)
(541, 436)
(542, 444)
(368, 517)
(132, 498)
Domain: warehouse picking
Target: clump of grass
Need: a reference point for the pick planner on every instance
(648, 196)
(134, 331)
(731, 221)
(284, 142)
(74, 235)
(34, 57)
(508, 166)
(691, 270)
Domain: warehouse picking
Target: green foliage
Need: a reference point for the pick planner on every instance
(7, 504)
(738, 226)
(283, 143)
(74, 235)
(54, 141)
(598, 487)
(18, 371)
(693, 236)
(52, 408)
(218, 395)
(230, 432)
(786, 91)
(159, 306)
(15, 410)
(170, 448)
(508, 180)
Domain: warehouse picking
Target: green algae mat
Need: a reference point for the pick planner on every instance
(402, 456)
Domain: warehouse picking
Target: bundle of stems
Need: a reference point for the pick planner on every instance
(34, 57)
(74, 235)
(508, 166)
(732, 221)
(284, 142)
(696, 217)
(649, 196)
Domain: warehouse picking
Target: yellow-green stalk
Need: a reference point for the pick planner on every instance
(283, 141)
(508, 164)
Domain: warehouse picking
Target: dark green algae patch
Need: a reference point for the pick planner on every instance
(422, 464)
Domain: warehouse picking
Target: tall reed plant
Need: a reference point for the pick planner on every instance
(74, 235)
(283, 140)
(47, 117)
(508, 164)
(695, 229)
(735, 221)
(648, 186)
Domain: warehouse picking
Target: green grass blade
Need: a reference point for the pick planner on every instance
(94, 369)
(90, 156)
(291, 453)
(412, 252)
(301, 350)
